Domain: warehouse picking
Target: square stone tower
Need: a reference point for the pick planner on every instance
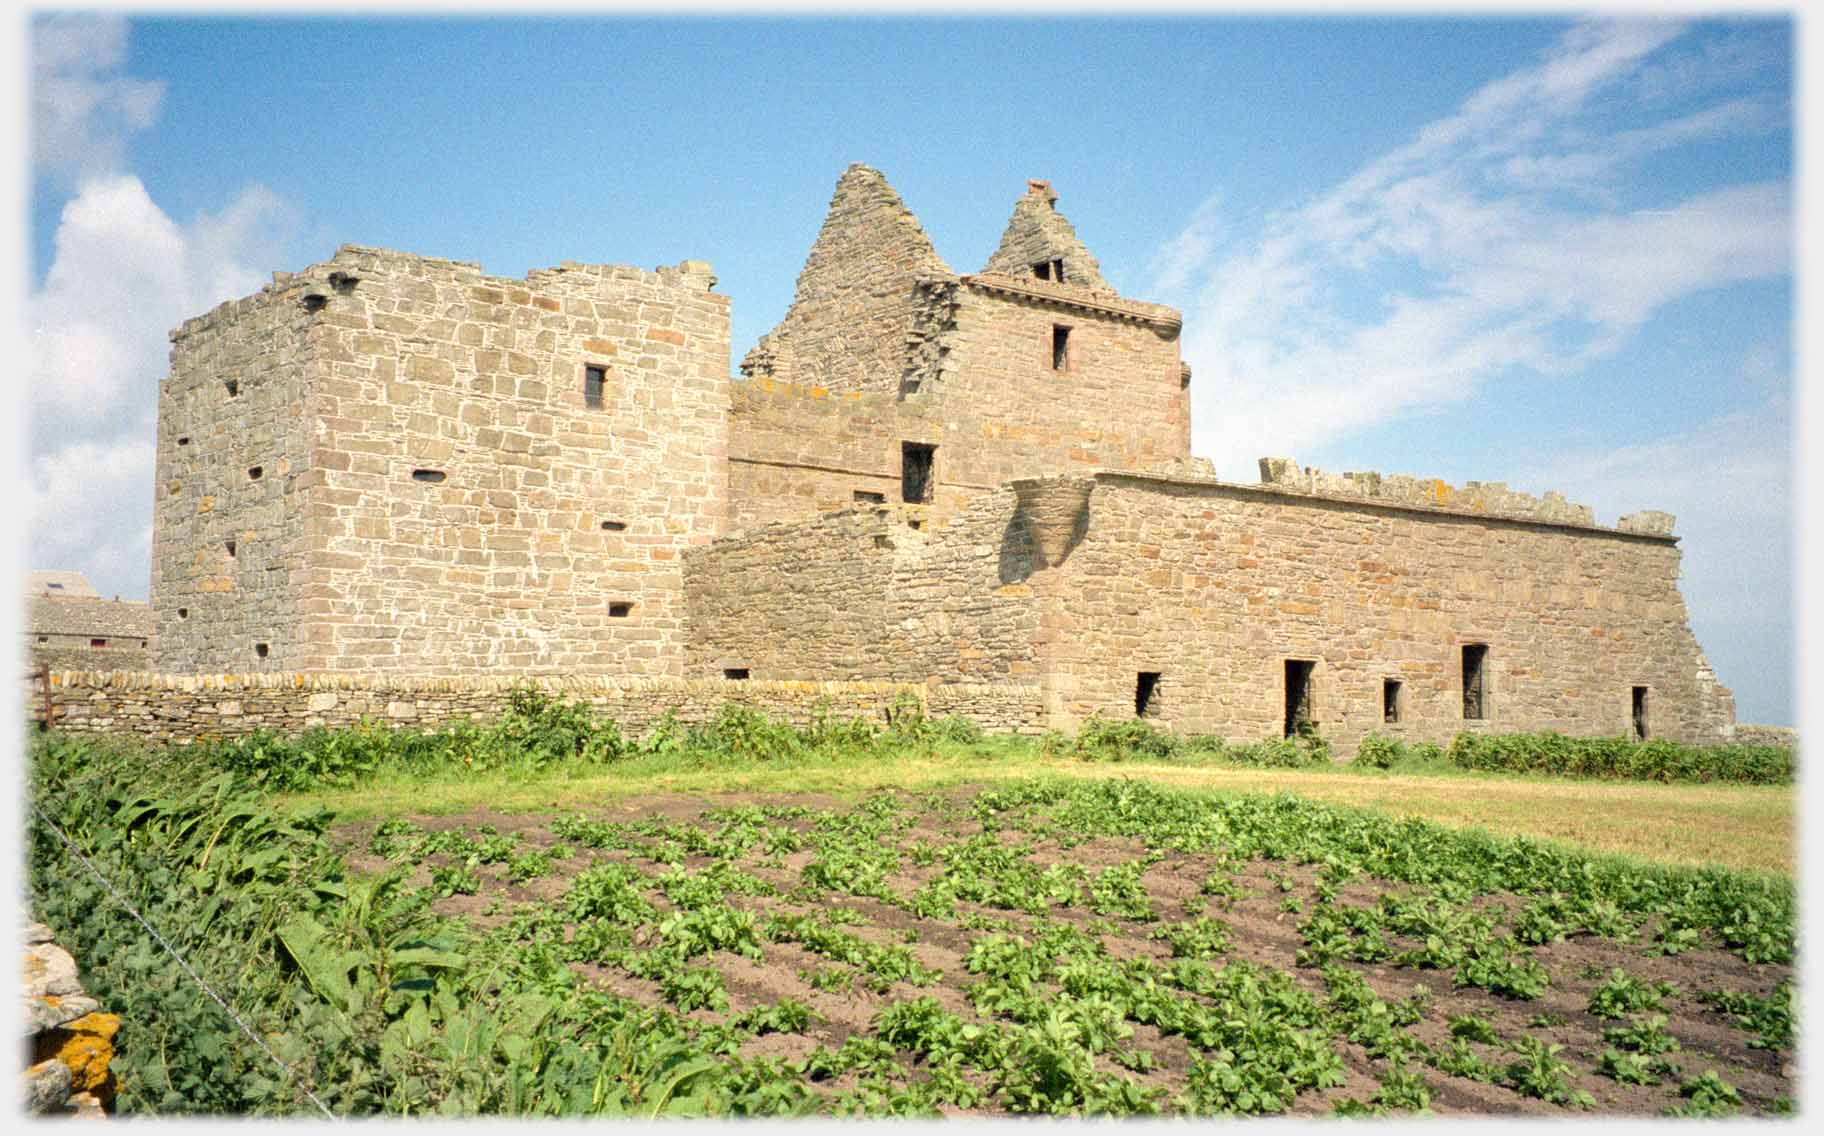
(394, 462)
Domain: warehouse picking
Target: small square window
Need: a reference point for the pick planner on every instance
(917, 465)
(595, 380)
(98, 642)
(620, 610)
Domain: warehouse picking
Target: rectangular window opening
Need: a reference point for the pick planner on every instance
(620, 610)
(44, 638)
(1060, 347)
(262, 649)
(254, 473)
(428, 476)
(1057, 271)
(738, 673)
(1640, 713)
(1042, 270)
(1392, 693)
(916, 464)
(1475, 681)
(614, 526)
(233, 386)
(595, 380)
(869, 497)
(98, 642)
(1298, 696)
(1146, 694)
(229, 545)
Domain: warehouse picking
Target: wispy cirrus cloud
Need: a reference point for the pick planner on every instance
(84, 108)
(1492, 239)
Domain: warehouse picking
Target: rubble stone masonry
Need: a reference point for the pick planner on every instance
(437, 493)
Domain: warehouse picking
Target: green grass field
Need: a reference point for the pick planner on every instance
(1741, 827)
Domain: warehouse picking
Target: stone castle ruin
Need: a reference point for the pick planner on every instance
(395, 465)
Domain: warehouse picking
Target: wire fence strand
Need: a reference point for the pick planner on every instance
(181, 961)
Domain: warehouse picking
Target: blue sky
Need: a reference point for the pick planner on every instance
(1545, 251)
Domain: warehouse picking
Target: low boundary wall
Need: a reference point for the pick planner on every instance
(179, 708)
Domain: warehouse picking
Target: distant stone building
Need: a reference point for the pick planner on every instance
(390, 463)
(68, 626)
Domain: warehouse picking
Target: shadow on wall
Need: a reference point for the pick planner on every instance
(1048, 523)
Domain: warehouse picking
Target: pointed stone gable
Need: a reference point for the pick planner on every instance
(846, 329)
(1037, 234)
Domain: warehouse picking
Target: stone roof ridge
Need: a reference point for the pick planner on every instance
(1037, 237)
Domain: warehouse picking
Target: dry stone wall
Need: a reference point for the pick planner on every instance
(1215, 587)
(170, 708)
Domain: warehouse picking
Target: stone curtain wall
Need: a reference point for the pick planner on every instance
(235, 401)
(861, 594)
(1215, 586)
(460, 507)
(168, 708)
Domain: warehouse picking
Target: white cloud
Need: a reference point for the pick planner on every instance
(123, 275)
(83, 108)
(1457, 256)
(92, 511)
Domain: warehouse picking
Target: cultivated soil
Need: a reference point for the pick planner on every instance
(1262, 914)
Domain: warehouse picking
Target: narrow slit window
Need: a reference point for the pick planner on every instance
(869, 497)
(1392, 692)
(1146, 694)
(1060, 347)
(429, 476)
(739, 673)
(595, 381)
(917, 462)
(614, 526)
(1475, 681)
(1640, 714)
(620, 610)
(1057, 271)
(1300, 715)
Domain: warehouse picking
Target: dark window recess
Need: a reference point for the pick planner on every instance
(916, 463)
(142, 642)
(254, 473)
(1640, 713)
(869, 497)
(315, 302)
(1298, 696)
(1060, 347)
(184, 441)
(229, 545)
(614, 526)
(1391, 692)
(431, 476)
(44, 638)
(880, 541)
(1146, 694)
(734, 672)
(1475, 680)
(620, 610)
(262, 649)
(595, 380)
(98, 642)
(55, 587)
(1049, 270)
(233, 385)
(915, 524)
(183, 613)
(343, 283)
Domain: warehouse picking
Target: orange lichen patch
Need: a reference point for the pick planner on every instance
(86, 1045)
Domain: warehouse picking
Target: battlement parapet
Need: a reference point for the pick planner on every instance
(1492, 498)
